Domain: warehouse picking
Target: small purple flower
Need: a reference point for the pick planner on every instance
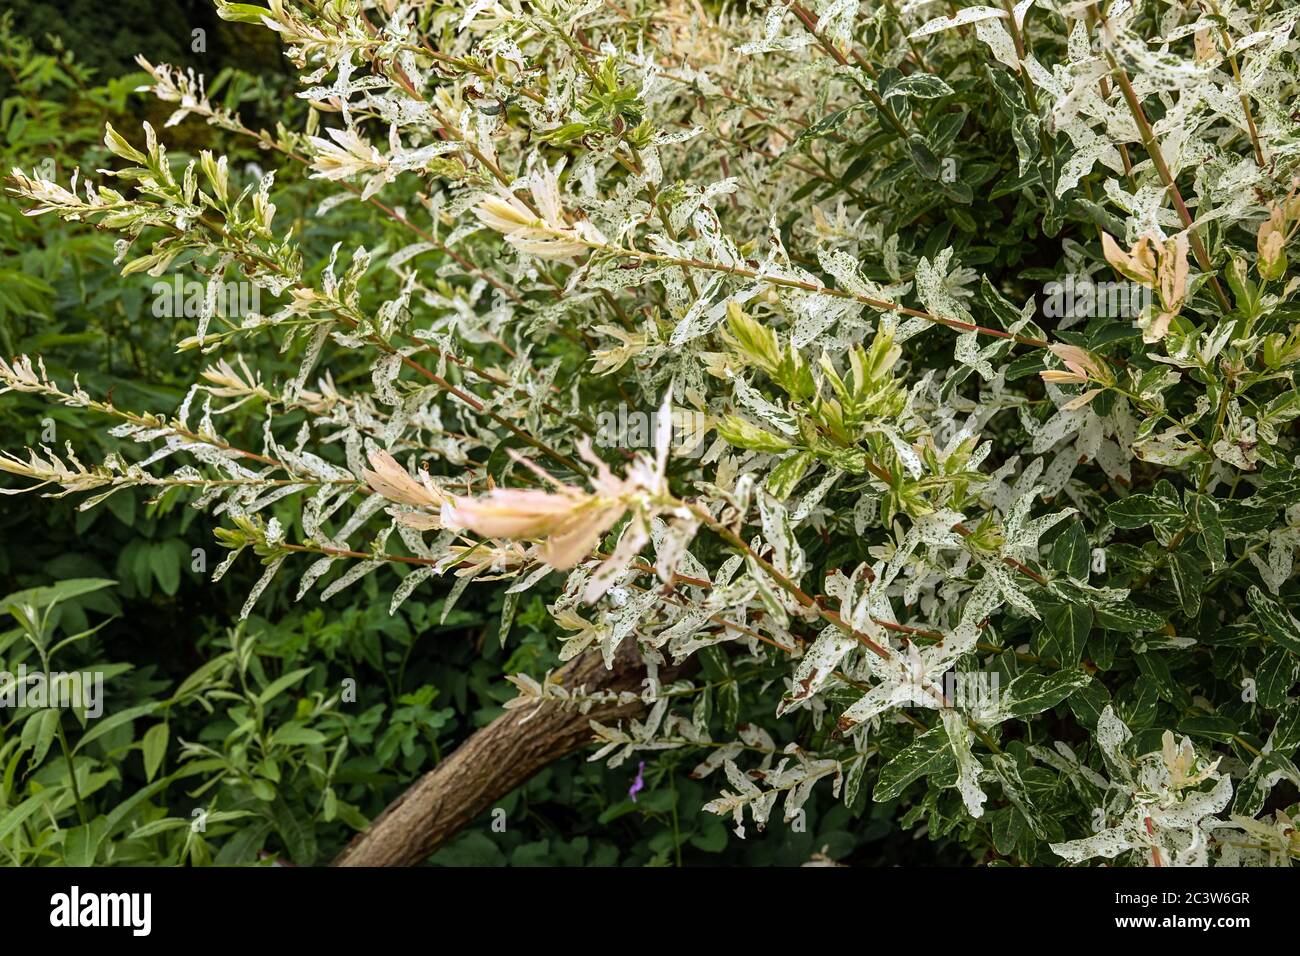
(638, 784)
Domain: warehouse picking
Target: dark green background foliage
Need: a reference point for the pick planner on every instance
(107, 37)
(234, 721)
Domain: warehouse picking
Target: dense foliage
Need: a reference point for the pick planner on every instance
(164, 618)
(921, 376)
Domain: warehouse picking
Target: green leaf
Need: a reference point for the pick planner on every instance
(81, 844)
(39, 731)
(244, 844)
(1068, 626)
(1103, 645)
(166, 569)
(1156, 669)
(1089, 703)
(473, 848)
(928, 754)
(1007, 826)
(1285, 736)
(122, 507)
(112, 722)
(1243, 519)
(296, 734)
(786, 475)
(945, 128)
(1245, 293)
(923, 158)
(1210, 727)
(1008, 774)
(299, 836)
(1276, 621)
(154, 746)
(279, 686)
(1137, 704)
(1276, 675)
(729, 703)
(55, 593)
(1276, 763)
(1032, 694)
(124, 809)
(1138, 511)
(264, 790)
(1029, 364)
(1205, 512)
(12, 820)
(1254, 788)
(1128, 618)
(1189, 580)
(825, 126)
(509, 604)
(205, 672)
(1071, 553)
(244, 13)
(711, 836)
(921, 86)
(1278, 493)
(743, 434)
(853, 780)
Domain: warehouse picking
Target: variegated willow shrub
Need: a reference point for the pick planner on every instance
(1024, 571)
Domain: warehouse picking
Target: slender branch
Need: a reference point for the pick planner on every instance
(1241, 90)
(882, 305)
(810, 24)
(1157, 158)
(785, 583)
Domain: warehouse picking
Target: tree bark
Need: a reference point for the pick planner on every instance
(491, 763)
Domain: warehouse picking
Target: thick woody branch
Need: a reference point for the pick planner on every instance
(493, 762)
